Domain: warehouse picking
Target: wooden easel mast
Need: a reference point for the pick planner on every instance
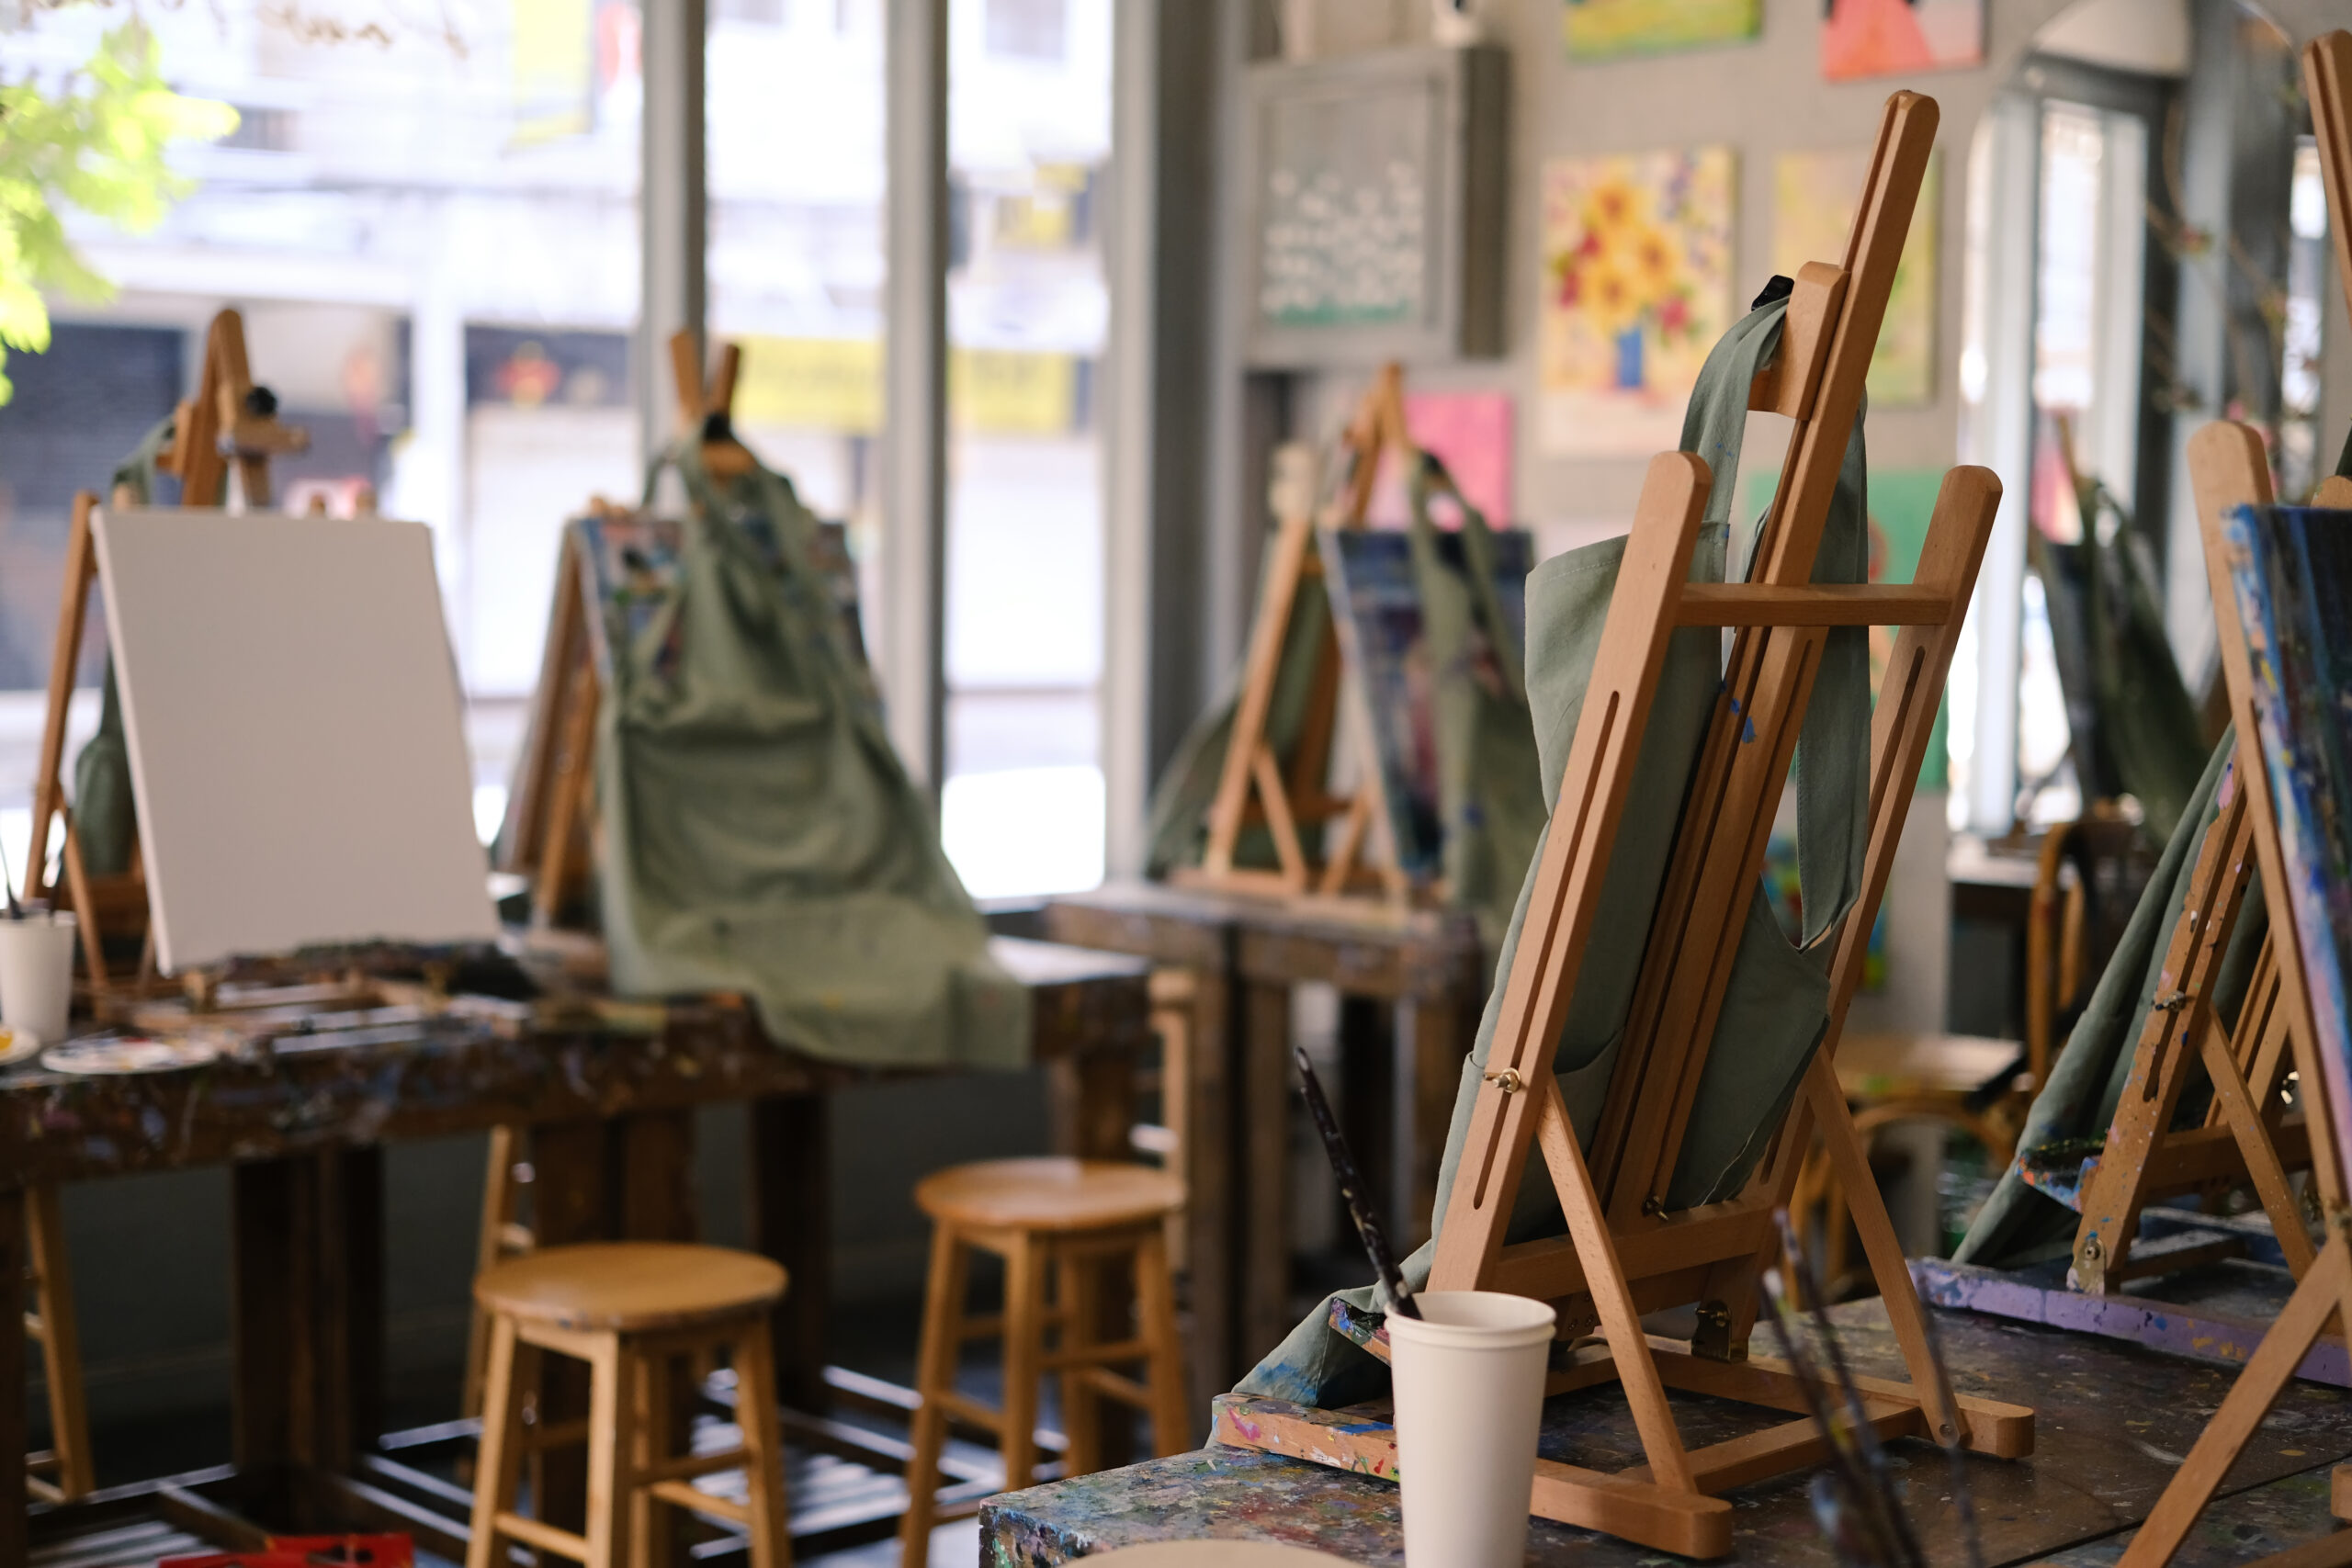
(230, 424)
(1253, 785)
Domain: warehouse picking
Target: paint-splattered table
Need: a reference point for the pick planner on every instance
(1411, 982)
(301, 1108)
(2112, 1423)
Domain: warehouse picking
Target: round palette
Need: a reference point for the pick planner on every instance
(18, 1045)
(128, 1054)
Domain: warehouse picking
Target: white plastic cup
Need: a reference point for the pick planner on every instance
(1469, 1386)
(37, 973)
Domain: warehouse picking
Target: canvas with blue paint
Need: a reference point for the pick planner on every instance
(2291, 575)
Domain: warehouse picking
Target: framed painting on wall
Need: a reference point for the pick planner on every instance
(1636, 283)
(1887, 37)
(1610, 29)
(1813, 196)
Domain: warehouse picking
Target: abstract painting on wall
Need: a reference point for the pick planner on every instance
(1885, 38)
(1609, 30)
(1813, 207)
(1636, 290)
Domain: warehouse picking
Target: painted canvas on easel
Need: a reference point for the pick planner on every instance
(1377, 602)
(1610, 29)
(2292, 577)
(1636, 280)
(1891, 37)
(1813, 207)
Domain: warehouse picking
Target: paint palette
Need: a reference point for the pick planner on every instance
(18, 1045)
(113, 1055)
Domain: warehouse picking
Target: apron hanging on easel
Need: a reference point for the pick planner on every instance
(1776, 1006)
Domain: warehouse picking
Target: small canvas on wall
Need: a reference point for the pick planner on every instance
(1636, 290)
(1887, 37)
(1814, 195)
(1607, 29)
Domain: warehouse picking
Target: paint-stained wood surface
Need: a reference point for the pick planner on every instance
(2100, 1462)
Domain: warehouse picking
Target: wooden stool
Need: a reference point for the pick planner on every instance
(51, 1323)
(629, 1310)
(1065, 1218)
(502, 1237)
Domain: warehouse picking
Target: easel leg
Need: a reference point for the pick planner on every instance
(1868, 1210)
(2249, 1400)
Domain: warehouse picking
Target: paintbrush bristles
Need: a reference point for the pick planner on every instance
(1343, 1167)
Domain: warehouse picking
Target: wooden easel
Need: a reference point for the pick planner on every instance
(2229, 468)
(1624, 1255)
(1253, 786)
(545, 835)
(228, 423)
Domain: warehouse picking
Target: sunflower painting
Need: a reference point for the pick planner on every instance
(1636, 290)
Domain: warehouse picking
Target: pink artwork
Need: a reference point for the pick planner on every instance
(1471, 433)
(1890, 37)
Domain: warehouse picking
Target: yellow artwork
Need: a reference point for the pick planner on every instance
(1814, 195)
(1637, 291)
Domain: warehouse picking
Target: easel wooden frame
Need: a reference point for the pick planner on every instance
(1252, 786)
(2229, 467)
(1623, 1255)
(218, 429)
(547, 829)
(2248, 1134)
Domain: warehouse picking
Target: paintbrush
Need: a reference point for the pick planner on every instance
(8, 885)
(1344, 1165)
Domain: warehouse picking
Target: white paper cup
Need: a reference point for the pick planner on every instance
(1469, 1384)
(37, 973)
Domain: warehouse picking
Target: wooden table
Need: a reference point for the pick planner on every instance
(302, 1121)
(2112, 1421)
(1247, 953)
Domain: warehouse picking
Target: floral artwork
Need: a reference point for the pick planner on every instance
(1609, 30)
(1636, 290)
(1814, 195)
(1888, 38)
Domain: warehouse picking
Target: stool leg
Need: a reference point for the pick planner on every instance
(1024, 1343)
(612, 1438)
(1080, 1292)
(1156, 1297)
(942, 1327)
(497, 1213)
(771, 1519)
(651, 1531)
(60, 1342)
(498, 1465)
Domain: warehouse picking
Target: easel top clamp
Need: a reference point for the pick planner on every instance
(1624, 1255)
(546, 833)
(229, 423)
(1252, 786)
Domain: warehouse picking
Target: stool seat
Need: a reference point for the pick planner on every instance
(630, 1287)
(1048, 1194)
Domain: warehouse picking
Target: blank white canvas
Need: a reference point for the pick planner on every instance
(297, 751)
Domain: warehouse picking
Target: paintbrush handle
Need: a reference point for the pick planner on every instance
(1343, 1167)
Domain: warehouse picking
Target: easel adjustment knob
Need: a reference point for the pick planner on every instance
(1508, 1080)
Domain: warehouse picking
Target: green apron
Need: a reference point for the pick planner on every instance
(1776, 1006)
(1490, 800)
(761, 834)
(2020, 1225)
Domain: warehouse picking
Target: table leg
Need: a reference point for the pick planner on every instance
(1266, 1074)
(266, 1235)
(1212, 1239)
(1367, 1110)
(792, 1222)
(14, 1435)
(1429, 1047)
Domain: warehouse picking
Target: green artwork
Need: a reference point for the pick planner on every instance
(1902, 500)
(1610, 29)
